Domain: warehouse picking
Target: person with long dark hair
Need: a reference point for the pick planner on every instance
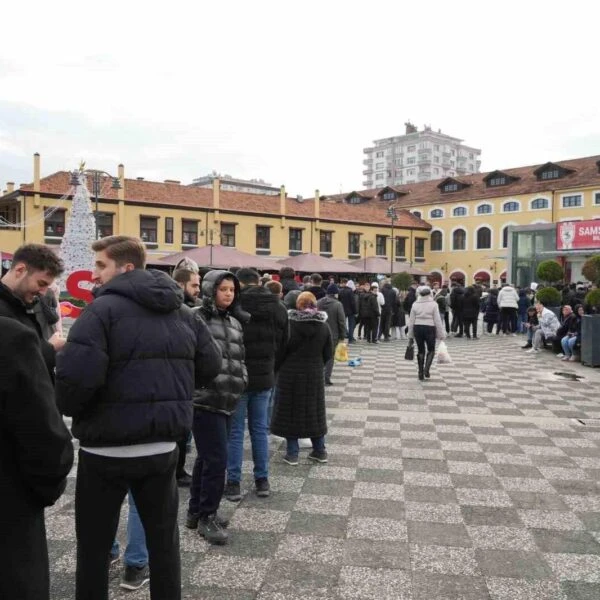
(425, 326)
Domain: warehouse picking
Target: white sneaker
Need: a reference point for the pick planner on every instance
(559, 355)
(531, 351)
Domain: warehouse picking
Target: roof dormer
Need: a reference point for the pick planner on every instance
(356, 198)
(451, 184)
(551, 171)
(498, 178)
(389, 193)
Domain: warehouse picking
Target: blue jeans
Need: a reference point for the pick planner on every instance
(568, 343)
(293, 449)
(521, 320)
(136, 553)
(256, 406)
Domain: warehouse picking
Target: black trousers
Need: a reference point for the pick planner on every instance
(370, 328)
(211, 431)
(181, 446)
(509, 320)
(457, 322)
(447, 321)
(102, 483)
(470, 323)
(424, 337)
(384, 323)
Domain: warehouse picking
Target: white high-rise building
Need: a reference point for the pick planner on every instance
(418, 156)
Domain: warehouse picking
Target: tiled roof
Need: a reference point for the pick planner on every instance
(584, 172)
(183, 196)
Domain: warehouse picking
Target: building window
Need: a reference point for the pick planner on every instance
(389, 196)
(450, 187)
(550, 174)
(419, 247)
(411, 148)
(437, 240)
(149, 229)
(459, 211)
(597, 198)
(295, 240)
(379, 165)
(510, 207)
(417, 213)
(354, 200)
(539, 204)
(411, 160)
(54, 224)
(354, 243)
(484, 238)
(436, 213)
(9, 216)
(436, 147)
(228, 234)
(189, 232)
(379, 155)
(500, 180)
(263, 237)
(104, 223)
(380, 245)
(400, 246)
(484, 209)
(169, 230)
(378, 175)
(505, 237)
(572, 201)
(459, 240)
(325, 242)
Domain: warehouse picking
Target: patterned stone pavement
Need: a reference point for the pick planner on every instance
(479, 484)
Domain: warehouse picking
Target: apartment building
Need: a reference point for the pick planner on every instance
(232, 184)
(417, 156)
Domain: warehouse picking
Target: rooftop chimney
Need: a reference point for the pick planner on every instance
(10, 187)
(121, 192)
(140, 178)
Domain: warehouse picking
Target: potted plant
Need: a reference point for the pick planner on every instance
(402, 280)
(549, 271)
(590, 329)
(549, 296)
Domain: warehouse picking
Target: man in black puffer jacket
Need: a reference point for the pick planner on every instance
(215, 403)
(127, 375)
(265, 337)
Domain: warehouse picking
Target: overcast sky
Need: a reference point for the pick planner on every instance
(291, 92)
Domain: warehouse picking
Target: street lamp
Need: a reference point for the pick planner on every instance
(97, 181)
(366, 243)
(392, 215)
(210, 234)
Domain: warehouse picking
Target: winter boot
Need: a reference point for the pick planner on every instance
(428, 361)
(420, 362)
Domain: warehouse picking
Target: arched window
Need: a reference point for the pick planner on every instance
(459, 211)
(417, 213)
(436, 213)
(436, 240)
(459, 239)
(539, 203)
(484, 209)
(484, 238)
(510, 207)
(505, 237)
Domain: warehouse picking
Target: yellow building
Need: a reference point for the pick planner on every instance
(170, 217)
(456, 228)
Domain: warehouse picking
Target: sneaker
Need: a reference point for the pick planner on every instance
(528, 345)
(263, 489)
(318, 456)
(560, 355)
(232, 491)
(531, 350)
(184, 480)
(191, 520)
(572, 359)
(134, 577)
(566, 358)
(210, 529)
(328, 382)
(290, 459)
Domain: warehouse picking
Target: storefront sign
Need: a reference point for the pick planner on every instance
(578, 235)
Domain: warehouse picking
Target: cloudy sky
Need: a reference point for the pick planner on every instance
(291, 92)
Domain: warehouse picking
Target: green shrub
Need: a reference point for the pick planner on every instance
(549, 296)
(550, 271)
(402, 280)
(591, 269)
(74, 301)
(593, 298)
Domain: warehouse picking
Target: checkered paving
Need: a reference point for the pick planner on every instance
(478, 484)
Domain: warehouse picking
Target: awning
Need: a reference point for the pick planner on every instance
(483, 275)
(220, 257)
(313, 263)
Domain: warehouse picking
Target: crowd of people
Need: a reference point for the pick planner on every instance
(155, 358)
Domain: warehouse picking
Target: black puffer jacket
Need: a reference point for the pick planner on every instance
(31, 316)
(131, 362)
(265, 335)
(222, 394)
(299, 400)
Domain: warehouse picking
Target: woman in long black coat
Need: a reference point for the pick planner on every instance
(299, 400)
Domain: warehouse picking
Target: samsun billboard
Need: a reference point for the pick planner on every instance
(578, 235)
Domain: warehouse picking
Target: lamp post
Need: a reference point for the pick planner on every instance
(97, 181)
(391, 214)
(210, 234)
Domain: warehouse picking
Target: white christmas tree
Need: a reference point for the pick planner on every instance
(80, 233)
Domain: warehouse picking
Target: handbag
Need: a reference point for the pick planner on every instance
(341, 352)
(410, 351)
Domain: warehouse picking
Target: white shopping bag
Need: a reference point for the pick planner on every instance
(443, 356)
